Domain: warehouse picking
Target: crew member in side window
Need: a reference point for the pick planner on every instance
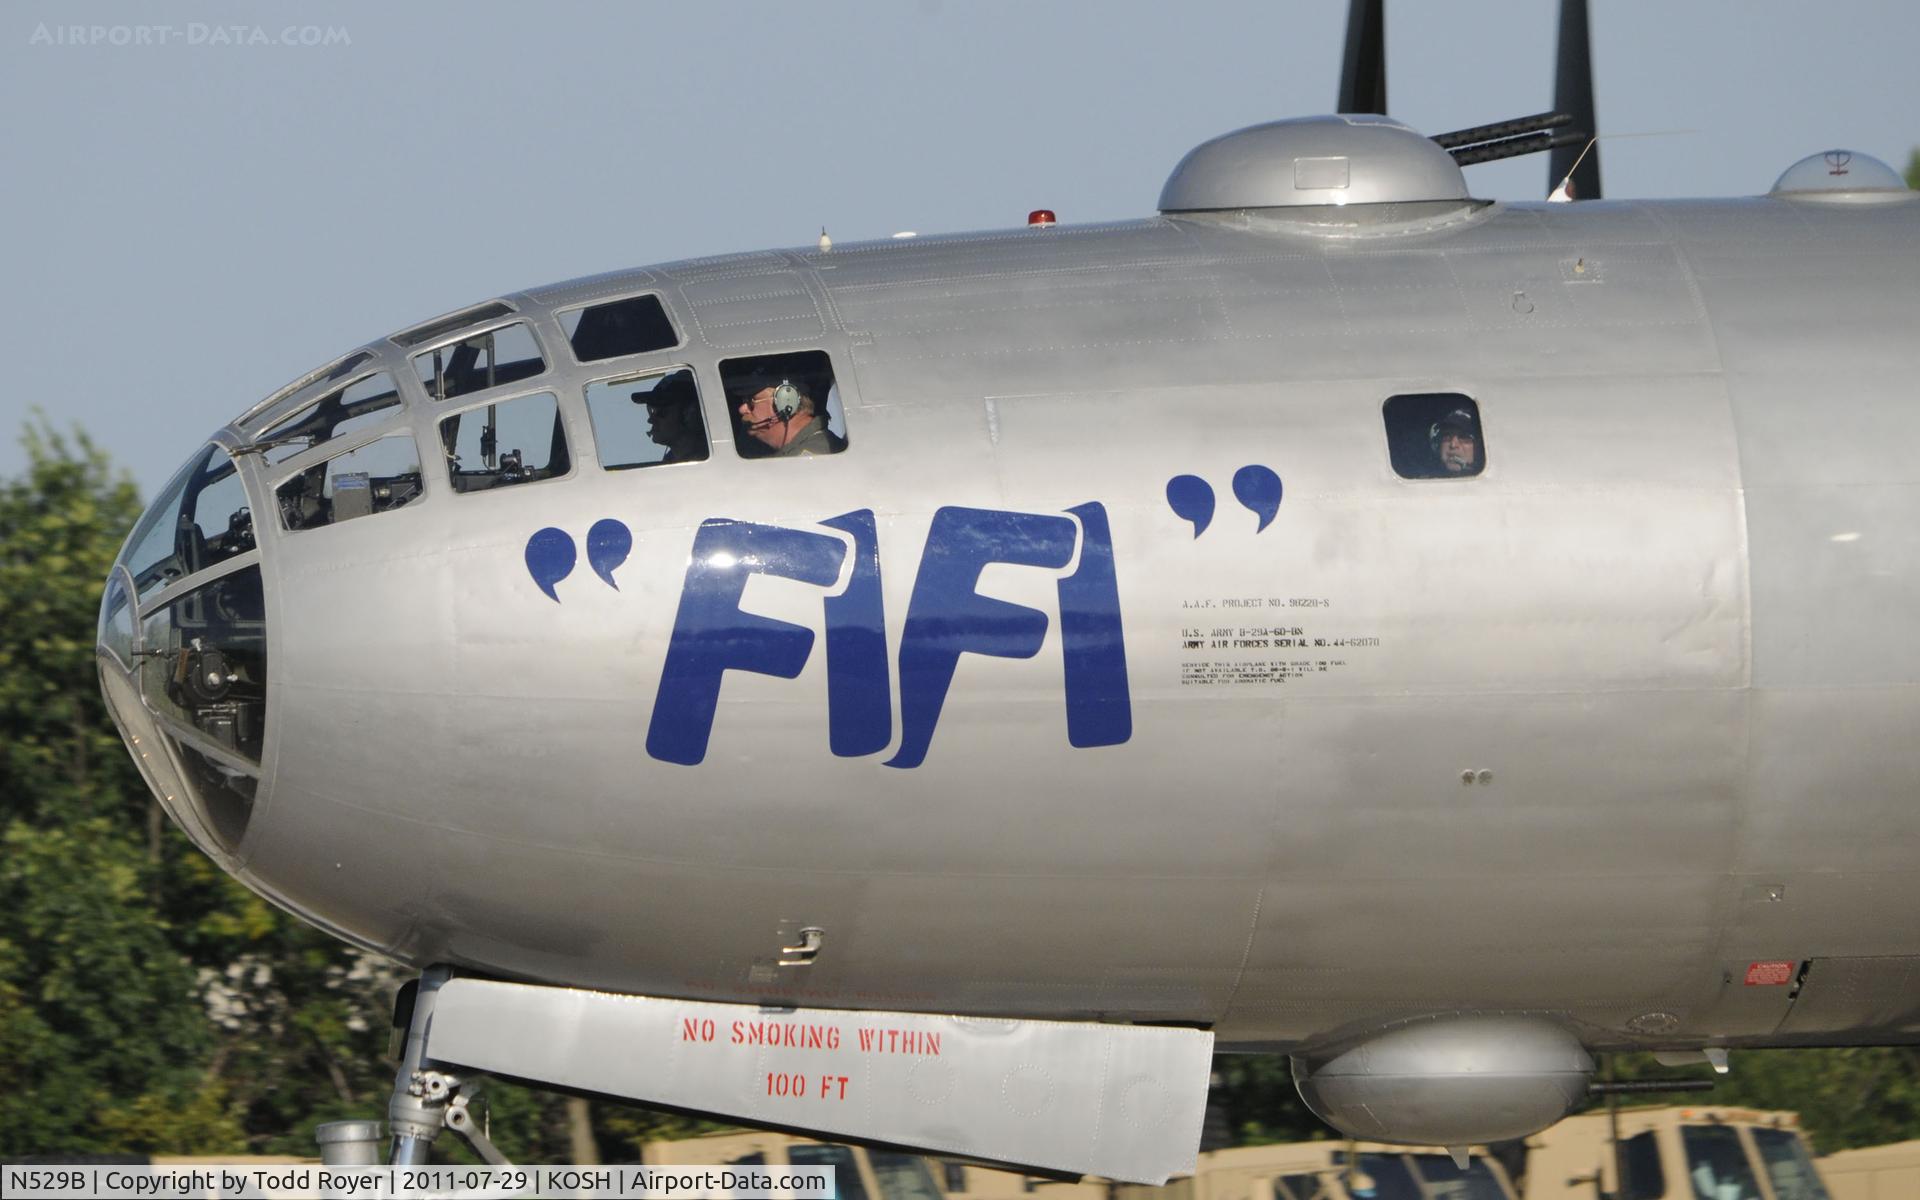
(673, 421)
(1455, 439)
(781, 416)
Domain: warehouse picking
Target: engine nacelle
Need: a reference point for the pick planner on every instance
(1450, 1081)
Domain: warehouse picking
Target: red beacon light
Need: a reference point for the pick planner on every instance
(1040, 218)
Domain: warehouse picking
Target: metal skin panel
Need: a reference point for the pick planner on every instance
(1084, 1099)
(743, 309)
(1862, 994)
(1822, 404)
(1667, 691)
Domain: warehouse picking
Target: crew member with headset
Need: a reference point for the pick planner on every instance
(781, 419)
(1455, 442)
(673, 418)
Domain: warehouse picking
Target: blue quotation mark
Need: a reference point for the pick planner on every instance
(550, 558)
(608, 544)
(551, 554)
(1192, 500)
(1257, 488)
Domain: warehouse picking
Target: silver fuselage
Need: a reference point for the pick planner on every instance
(1589, 734)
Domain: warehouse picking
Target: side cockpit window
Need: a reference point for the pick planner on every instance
(222, 525)
(521, 440)
(784, 405)
(647, 420)
(636, 325)
(1435, 435)
(484, 360)
(201, 520)
(378, 477)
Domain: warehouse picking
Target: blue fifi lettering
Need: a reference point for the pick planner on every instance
(712, 636)
(948, 617)
(1093, 642)
(859, 692)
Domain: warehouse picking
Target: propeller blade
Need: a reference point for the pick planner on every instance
(1363, 80)
(1573, 94)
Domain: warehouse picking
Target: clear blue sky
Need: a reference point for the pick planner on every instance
(192, 222)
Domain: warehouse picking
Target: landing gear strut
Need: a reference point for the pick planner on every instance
(427, 1097)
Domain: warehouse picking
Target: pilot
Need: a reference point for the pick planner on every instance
(1455, 440)
(779, 418)
(672, 420)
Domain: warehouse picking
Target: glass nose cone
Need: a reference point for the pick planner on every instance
(183, 652)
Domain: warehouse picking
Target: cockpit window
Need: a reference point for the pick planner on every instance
(522, 440)
(149, 553)
(206, 665)
(647, 420)
(340, 412)
(420, 335)
(204, 674)
(222, 520)
(635, 325)
(116, 621)
(311, 380)
(485, 360)
(378, 477)
(1435, 435)
(784, 405)
(200, 520)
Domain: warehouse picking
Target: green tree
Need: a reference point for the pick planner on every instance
(300, 1021)
(99, 1022)
(1913, 169)
(148, 1001)
(1254, 1096)
(1847, 1097)
(60, 527)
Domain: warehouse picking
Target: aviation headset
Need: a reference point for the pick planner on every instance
(786, 400)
